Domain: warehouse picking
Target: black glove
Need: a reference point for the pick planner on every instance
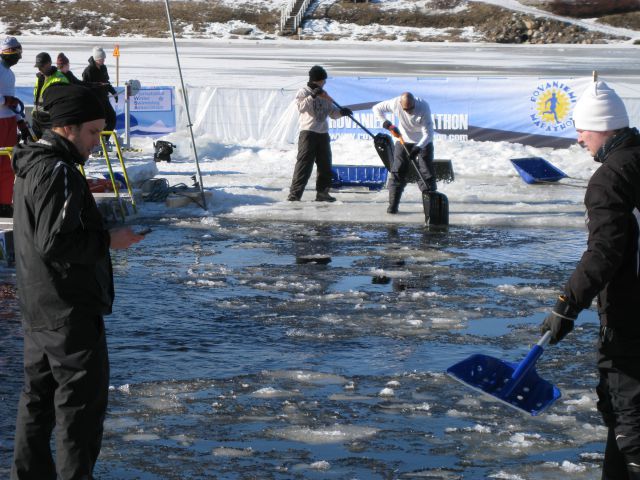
(386, 124)
(11, 102)
(415, 151)
(115, 97)
(560, 320)
(25, 133)
(346, 112)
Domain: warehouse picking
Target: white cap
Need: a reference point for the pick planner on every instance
(98, 53)
(600, 109)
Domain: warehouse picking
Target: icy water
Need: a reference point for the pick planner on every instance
(237, 351)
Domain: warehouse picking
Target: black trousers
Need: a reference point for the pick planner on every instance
(65, 387)
(619, 403)
(110, 119)
(40, 122)
(312, 148)
(401, 166)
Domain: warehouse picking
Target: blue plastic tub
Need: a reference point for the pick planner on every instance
(374, 178)
(537, 170)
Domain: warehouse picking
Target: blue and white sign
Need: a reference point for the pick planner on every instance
(526, 110)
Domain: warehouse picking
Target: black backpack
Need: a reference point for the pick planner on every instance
(163, 150)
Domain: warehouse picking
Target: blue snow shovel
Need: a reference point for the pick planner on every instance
(514, 384)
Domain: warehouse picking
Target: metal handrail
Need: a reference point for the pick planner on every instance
(285, 14)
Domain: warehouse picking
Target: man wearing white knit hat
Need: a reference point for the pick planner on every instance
(610, 269)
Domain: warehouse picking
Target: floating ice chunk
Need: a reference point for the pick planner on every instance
(182, 439)
(320, 465)
(443, 321)
(308, 377)
(323, 435)
(571, 467)
(232, 452)
(161, 403)
(526, 291)
(270, 392)
(506, 476)
(122, 388)
(561, 419)
(585, 401)
(393, 384)
(523, 440)
(387, 392)
(480, 428)
(379, 272)
(140, 437)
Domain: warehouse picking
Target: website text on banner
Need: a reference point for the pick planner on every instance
(531, 111)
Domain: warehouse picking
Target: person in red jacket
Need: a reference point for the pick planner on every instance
(10, 119)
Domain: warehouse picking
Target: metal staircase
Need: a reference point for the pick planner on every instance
(291, 16)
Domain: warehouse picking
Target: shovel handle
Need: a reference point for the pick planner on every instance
(526, 364)
(351, 117)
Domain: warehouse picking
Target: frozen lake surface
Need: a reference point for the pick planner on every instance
(232, 357)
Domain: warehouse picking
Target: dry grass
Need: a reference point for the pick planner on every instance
(127, 17)
(627, 20)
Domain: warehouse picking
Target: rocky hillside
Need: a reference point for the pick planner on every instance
(405, 20)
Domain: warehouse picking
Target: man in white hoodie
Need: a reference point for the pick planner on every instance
(314, 107)
(416, 129)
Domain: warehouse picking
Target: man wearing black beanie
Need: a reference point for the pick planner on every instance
(314, 107)
(65, 286)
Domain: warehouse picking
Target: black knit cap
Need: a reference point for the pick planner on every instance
(71, 105)
(42, 59)
(317, 73)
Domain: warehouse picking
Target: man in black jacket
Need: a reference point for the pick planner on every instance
(610, 269)
(97, 76)
(65, 286)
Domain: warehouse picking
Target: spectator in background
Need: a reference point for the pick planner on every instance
(96, 74)
(47, 75)
(10, 120)
(62, 63)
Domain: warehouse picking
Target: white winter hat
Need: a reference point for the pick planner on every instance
(98, 53)
(600, 109)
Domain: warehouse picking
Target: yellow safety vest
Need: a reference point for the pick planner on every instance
(57, 77)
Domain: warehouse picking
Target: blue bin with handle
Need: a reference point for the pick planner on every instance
(537, 170)
(373, 178)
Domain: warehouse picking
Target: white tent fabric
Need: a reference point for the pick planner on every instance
(234, 115)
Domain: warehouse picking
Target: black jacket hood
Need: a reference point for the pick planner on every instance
(50, 145)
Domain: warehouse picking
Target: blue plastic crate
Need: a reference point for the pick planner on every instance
(537, 170)
(374, 178)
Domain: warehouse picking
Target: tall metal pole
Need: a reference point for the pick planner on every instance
(186, 103)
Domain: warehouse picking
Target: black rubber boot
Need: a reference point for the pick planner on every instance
(323, 196)
(394, 200)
